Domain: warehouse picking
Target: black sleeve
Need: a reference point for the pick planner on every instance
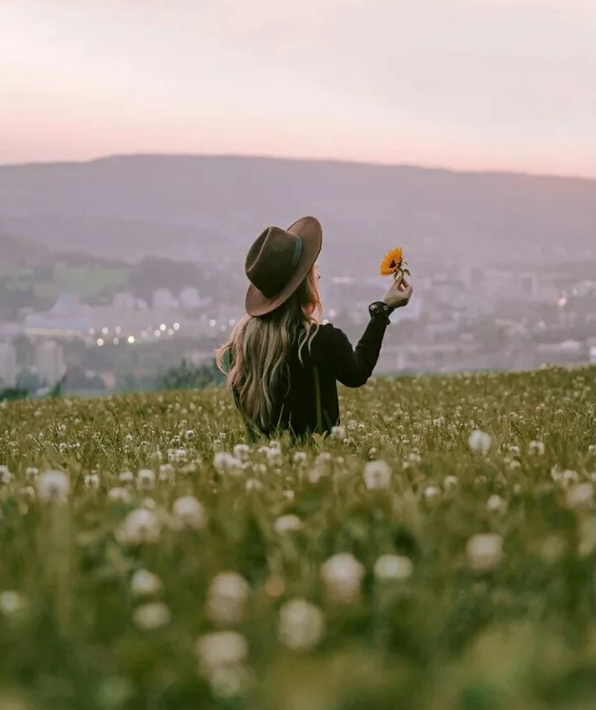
(352, 366)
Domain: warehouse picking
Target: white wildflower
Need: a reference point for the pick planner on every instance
(496, 504)
(253, 484)
(377, 475)
(536, 448)
(126, 477)
(389, 568)
(140, 526)
(226, 463)
(166, 472)
(12, 602)
(53, 485)
(189, 434)
(580, 496)
(177, 455)
(431, 492)
(450, 482)
(484, 551)
(300, 457)
(274, 456)
(151, 616)
(188, 511)
(144, 583)
(230, 681)
(479, 441)
(287, 523)
(301, 624)
(227, 597)
(242, 452)
(91, 480)
(146, 479)
(119, 494)
(5, 475)
(342, 575)
(338, 432)
(220, 650)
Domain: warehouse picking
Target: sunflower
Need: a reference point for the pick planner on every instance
(392, 262)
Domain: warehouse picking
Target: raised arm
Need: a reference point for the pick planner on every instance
(353, 366)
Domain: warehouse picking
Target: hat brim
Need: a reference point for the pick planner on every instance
(310, 232)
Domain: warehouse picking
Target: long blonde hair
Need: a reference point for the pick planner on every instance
(259, 347)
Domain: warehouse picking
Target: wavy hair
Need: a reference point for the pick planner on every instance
(258, 349)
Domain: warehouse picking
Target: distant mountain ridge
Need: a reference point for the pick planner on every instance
(211, 207)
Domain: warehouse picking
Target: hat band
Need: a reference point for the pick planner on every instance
(297, 253)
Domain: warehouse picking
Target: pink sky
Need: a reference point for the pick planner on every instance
(481, 84)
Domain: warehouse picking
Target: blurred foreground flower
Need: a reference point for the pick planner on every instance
(580, 496)
(151, 616)
(220, 652)
(484, 551)
(377, 475)
(144, 583)
(390, 568)
(12, 602)
(140, 526)
(536, 447)
(338, 432)
(342, 575)
(287, 523)
(6, 476)
(145, 479)
(227, 597)
(119, 494)
(54, 486)
(496, 504)
(479, 441)
(301, 624)
(226, 463)
(189, 512)
(242, 452)
(91, 480)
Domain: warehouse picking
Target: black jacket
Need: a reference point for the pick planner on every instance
(308, 402)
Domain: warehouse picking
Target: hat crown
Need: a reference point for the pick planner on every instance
(272, 260)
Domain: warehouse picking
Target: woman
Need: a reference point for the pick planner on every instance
(281, 364)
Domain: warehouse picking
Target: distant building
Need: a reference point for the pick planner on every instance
(49, 361)
(528, 285)
(67, 317)
(8, 365)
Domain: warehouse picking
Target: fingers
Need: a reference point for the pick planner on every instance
(398, 279)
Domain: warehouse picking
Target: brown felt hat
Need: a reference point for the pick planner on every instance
(278, 262)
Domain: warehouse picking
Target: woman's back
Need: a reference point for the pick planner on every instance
(305, 399)
(281, 364)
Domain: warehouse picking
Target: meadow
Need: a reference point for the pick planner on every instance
(436, 552)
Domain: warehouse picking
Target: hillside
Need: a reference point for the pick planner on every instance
(19, 252)
(210, 207)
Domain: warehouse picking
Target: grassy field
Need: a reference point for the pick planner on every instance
(436, 553)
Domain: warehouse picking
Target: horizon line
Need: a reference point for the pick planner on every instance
(301, 159)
